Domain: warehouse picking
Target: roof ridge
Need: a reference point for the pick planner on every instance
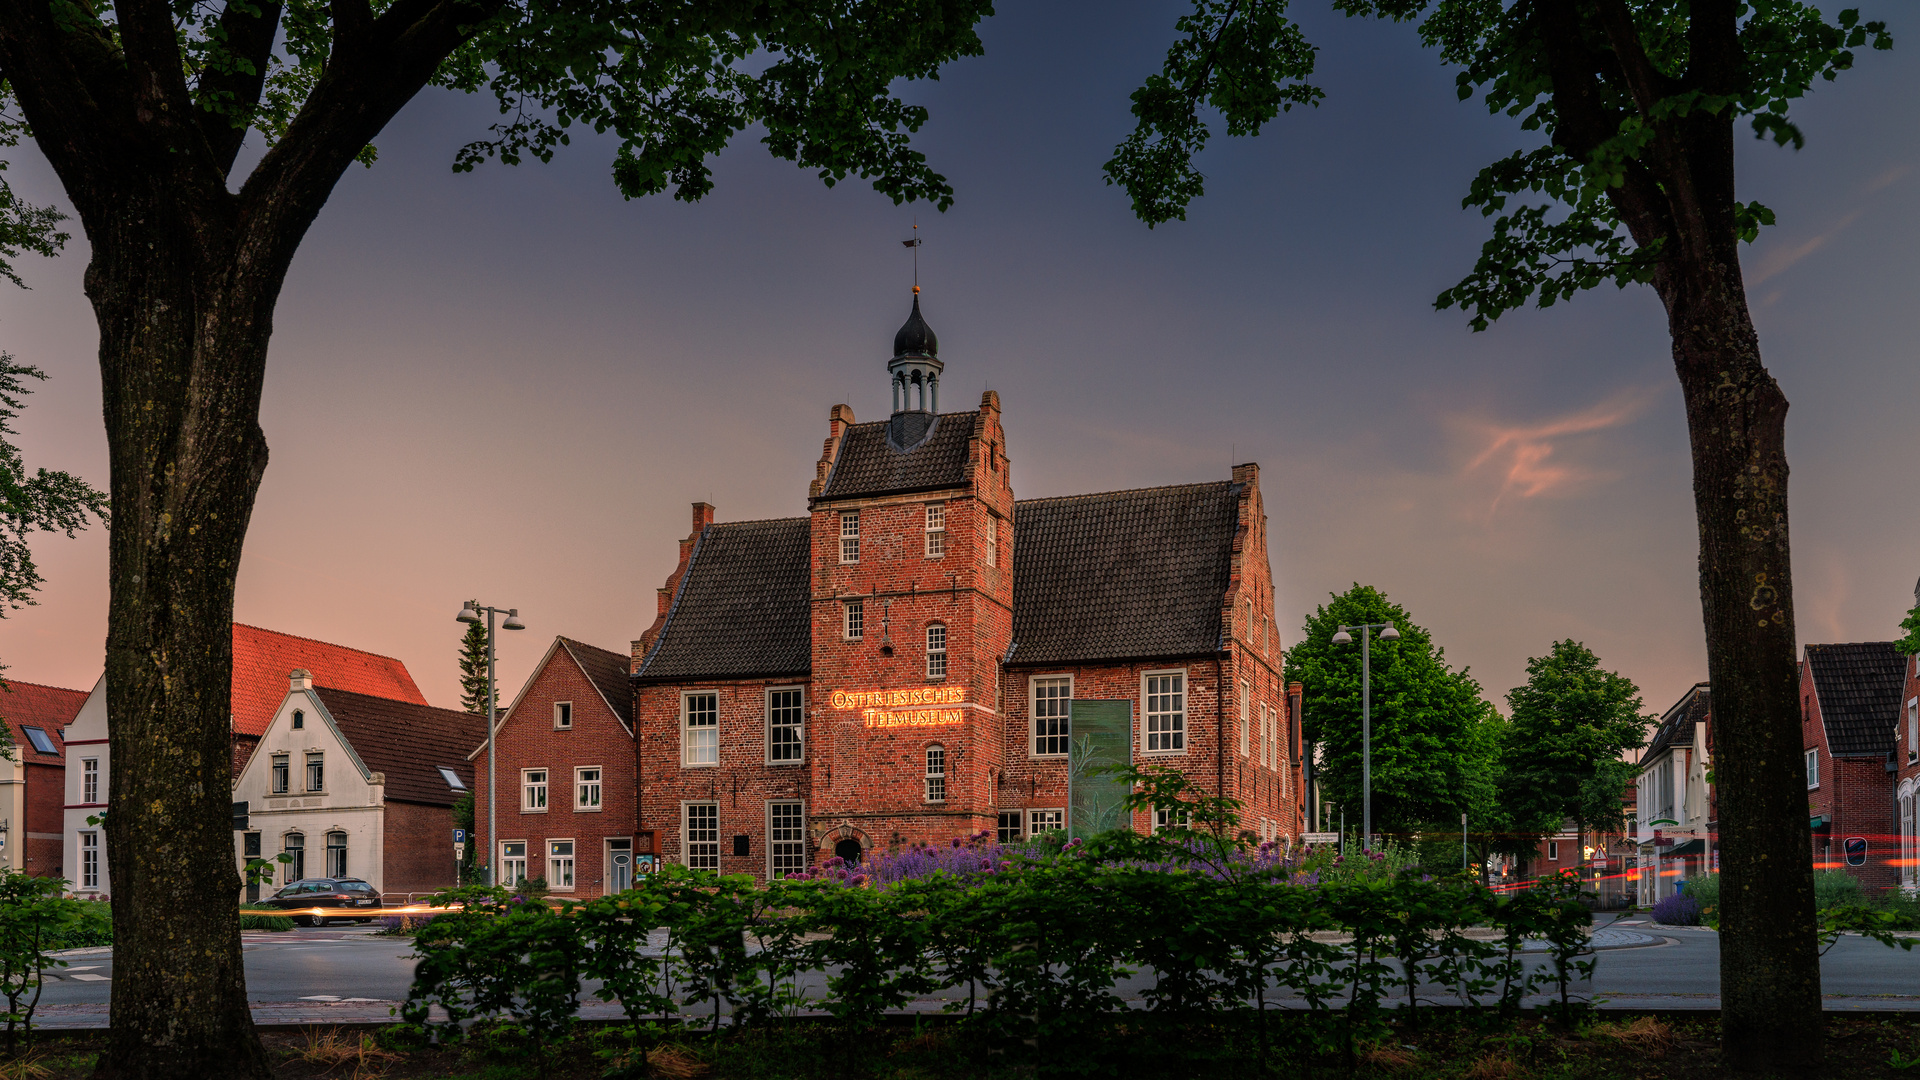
(761, 521)
(1127, 491)
(328, 644)
(400, 701)
(45, 686)
(1847, 644)
(586, 645)
(889, 419)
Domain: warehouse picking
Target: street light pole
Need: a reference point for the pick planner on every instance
(471, 614)
(1342, 637)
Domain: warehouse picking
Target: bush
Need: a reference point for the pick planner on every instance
(1705, 891)
(1677, 910)
(1903, 906)
(89, 925)
(264, 919)
(1835, 888)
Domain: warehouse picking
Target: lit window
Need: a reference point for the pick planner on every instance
(281, 771)
(586, 788)
(1166, 695)
(89, 860)
(533, 791)
(786, 839)
(513, 862)
(1039, 821)
(90, 780)
(850, 536)
(786, 726)
(856, 620)
(993, 540)
(452, 778)
(1052, 706)
(559, 864)
(1010, 826)
(336, 854)
(702, 833)
(562, 715)
(936, 530)
(316, 771)
(936, 773)
(41, 742)
(299, 720)
(1813, 768)
(936, 651)
(700, 732)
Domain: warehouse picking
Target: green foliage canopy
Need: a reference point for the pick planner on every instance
(1561, 752)
(1430, 747)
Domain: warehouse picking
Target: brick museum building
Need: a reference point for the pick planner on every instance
(900, 665)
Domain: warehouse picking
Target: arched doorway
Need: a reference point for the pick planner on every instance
(848, 850)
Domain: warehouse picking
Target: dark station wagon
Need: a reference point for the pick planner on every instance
(326, 893)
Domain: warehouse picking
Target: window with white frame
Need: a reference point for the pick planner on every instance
(991, 553)
(559, 864)
(1039, 821)
(294, 846)
(562, 715)
(282, 773)
(1813, 768)
(533, 791)
(336, 854)
(1164, 818)
(1166, 711)
(513, 862)
(1913, 730)
(855, 626)
(700, 832)
(89, 860)
(90, 780)
(1246, 692)
(786, 726)
(1268, 744)
(699, 729)
(786, 839)
(316, 771)
(849, 536)
(937, 651)
(586, 788)
(936, 773)
(936, 530)
(1052, 708)
(1009, 830)
(1553, 851)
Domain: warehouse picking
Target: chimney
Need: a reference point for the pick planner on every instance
(702, 516)
(300, 679)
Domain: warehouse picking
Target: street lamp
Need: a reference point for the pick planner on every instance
(471, 614)
(1387, 633)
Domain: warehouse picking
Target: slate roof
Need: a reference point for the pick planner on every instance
(262, 660)
(869, 463)
(1694, 706)
(49, 708)
(741, 610)
(409, 743)
(608, 673)
(1859, 686)
(1122, 574)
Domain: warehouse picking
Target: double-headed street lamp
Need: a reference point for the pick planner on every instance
(1387, 633)
(471, 614)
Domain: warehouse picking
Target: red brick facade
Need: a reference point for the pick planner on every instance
(418, 842)
(1850, 798)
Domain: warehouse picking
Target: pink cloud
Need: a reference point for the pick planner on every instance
(1523, 455)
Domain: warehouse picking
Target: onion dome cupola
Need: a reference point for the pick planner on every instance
(915, 368)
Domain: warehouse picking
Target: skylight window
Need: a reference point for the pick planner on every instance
(453, 779)
(40, 740)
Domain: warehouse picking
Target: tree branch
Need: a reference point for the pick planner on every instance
(73, 91)
(1645, 84)
(229, 90)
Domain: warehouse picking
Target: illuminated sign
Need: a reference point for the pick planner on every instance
(905, 708)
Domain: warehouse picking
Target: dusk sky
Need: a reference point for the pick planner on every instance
(510, 384)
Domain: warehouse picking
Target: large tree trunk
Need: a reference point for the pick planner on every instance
(1771, 1019)
(184, 320)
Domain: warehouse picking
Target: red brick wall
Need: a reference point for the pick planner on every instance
(1856, 796)
(418, 850)
(243, 747)
(46, 817)
(529, 740)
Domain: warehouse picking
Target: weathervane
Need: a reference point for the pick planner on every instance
(915, 245)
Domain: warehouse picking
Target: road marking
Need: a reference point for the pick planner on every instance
(81, 967)
(320, 997)
(90, 978)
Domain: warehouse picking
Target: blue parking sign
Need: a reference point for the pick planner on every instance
(459, 836)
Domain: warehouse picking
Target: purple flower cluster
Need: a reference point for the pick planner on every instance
(963, 856)
(834, 869)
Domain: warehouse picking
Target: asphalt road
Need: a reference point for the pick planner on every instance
(1681, 971)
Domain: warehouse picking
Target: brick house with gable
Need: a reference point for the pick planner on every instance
(896, 667)
(1850, 703)
(565, 750)
(33, 784)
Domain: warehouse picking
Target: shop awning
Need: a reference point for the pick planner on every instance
(1819, 821)
(1695, 846)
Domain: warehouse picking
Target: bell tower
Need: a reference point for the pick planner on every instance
(915, 367)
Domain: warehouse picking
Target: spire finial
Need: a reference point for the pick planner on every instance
(915, 245)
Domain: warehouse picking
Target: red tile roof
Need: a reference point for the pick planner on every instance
(409, 743)
(263, 659)
(49, 708)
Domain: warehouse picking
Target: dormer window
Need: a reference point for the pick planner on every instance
(40, 740)
(452, 778)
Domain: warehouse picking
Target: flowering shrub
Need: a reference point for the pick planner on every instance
(1677, 910)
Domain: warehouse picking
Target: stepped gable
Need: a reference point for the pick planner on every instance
(1859, 684)
(741, 609)
(1122, 575)
(408, 742)
(263, 658)
(608, 673)
(929, 459)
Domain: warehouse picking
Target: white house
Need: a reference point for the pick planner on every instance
(1674, 822)
(85, 856)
